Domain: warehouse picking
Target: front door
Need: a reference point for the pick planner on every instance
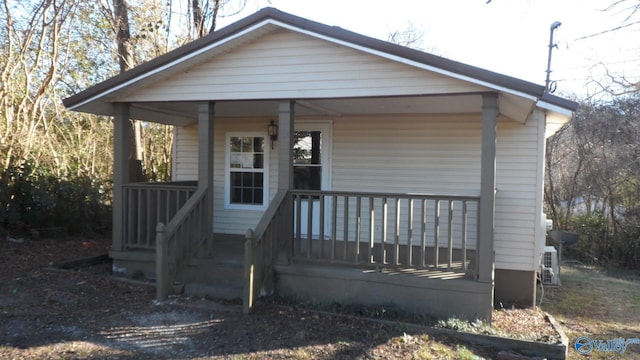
(311, 168)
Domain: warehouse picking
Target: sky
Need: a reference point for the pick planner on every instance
(507, 36)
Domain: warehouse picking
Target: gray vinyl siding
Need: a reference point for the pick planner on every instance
(286, 64)
(408, 154)
(186, 154)
(518, 193)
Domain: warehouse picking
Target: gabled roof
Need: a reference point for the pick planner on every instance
(489, 79)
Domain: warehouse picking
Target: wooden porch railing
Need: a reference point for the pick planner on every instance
(146, 205)
(261, 247)
(182, 238)
(386, 229)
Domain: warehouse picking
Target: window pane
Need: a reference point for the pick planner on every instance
(236, 195)
(236, 144)
(258, 180)
(307, 177)
(247, 144)
(236, 179)
(236, 160)
(247, 196)
(307, 147)
(258, 161)
(258, 196)
(247, 179)
(258, 144)
(247, 161)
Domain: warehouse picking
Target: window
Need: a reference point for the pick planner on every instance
(246, 171)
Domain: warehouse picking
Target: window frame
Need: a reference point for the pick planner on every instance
(227, 172)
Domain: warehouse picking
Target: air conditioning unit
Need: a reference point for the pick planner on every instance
(550, 269)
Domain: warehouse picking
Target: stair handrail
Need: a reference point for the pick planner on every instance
(164, 233)
(260, 250)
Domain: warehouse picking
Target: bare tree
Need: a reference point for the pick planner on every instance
(411, 36)
(205, 14)
(616, 84)
(593, 179)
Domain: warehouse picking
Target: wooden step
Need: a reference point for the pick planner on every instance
(221, 280)
(205, 272)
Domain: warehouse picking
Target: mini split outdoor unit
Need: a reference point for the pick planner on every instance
(550, 269)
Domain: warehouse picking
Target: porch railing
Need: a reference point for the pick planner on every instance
(261, 249)
(184, 237)
(146, 205)
(386, 229)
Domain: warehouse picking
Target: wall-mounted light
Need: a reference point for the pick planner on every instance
(272, 130)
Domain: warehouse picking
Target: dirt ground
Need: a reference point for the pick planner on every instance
(50, 313)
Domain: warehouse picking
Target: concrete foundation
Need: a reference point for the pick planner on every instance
(440, 294)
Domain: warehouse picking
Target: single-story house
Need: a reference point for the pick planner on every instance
(318, 163)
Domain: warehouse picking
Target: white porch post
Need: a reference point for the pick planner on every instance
(285, 171)
(121, 134)
(206, 116)
(485, 256)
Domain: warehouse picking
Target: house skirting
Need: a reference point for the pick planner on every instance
(515, 287)
(439, 294)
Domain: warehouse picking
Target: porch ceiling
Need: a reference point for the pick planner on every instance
(185, 113)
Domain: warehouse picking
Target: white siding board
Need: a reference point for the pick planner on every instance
(407, 154)
(520, 250)
(516, 172)
(285, 64)
(229, 220)
(186, 154)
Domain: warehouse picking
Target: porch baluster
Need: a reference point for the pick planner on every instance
(149, 221)
(334, 217)
(396, 240)
(346, 228)
(383, 247)
(464, 235)
(358, 227)
(309, 225)
(321, 226)
(139, 215)
(410, 232)
(423, 234)
(436, 234)
(372, 228)
(450, 228)
(296, 243)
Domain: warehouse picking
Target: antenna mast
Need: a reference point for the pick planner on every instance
(550, 86)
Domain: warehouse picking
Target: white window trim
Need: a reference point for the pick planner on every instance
(227, 172)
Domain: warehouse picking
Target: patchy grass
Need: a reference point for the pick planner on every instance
(598, 305)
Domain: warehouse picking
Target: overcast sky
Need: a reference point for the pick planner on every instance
(507, 36)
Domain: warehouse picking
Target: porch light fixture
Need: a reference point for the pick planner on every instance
(272, 130)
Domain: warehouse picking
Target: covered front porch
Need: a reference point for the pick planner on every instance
(426, 252)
